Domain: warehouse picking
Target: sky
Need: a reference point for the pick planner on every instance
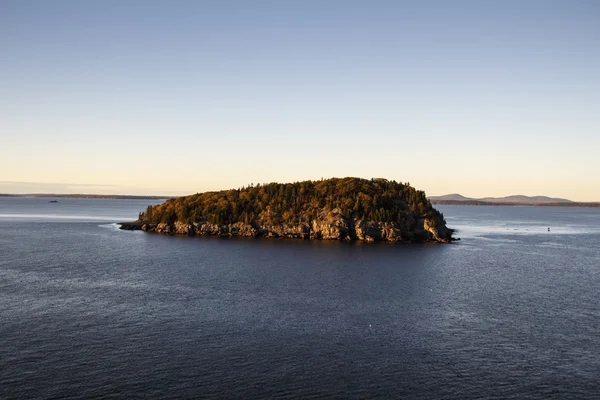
(482, 98)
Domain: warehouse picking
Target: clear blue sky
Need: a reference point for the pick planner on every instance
(175, 97)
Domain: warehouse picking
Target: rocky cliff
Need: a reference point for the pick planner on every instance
(328, 227)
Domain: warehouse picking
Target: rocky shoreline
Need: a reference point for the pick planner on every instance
(410, 230)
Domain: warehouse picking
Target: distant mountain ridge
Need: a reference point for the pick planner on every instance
(514, 199)
(525, 199)
(452, 197)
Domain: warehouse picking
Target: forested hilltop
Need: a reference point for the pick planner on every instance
(347, 209)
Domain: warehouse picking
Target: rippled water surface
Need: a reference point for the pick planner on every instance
(88, 311)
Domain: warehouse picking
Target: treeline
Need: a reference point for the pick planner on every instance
(291, 203)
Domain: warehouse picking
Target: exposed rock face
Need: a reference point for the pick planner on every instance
(330, 227)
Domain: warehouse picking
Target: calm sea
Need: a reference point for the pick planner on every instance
(88, 311)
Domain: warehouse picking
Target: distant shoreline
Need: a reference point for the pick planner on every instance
(89, 196)
(489, 203)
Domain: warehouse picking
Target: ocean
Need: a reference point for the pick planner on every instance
(90, 311)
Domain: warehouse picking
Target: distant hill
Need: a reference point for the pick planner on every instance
(452, 197)
(525, 199)
(515, 200)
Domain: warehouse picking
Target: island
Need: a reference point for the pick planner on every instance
(351, 209)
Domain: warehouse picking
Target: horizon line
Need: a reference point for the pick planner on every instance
(154, 196)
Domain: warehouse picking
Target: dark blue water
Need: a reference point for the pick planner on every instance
(88, 311)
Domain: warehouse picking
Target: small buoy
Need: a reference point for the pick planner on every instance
(369, 325)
